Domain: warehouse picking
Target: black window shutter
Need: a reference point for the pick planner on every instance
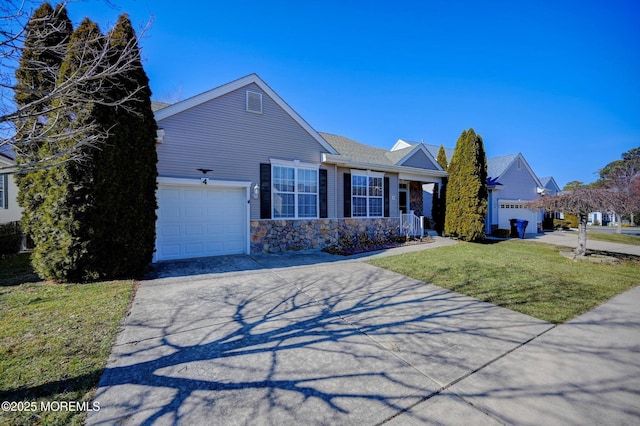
(322, 192)
(265, 191)
(386, 197)
(347, 194)
(5, 191)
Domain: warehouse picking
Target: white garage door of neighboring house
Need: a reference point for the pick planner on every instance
(199, 221)
(515, 210)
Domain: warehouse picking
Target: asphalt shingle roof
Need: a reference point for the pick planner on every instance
(497, 165)
(433, 149)
(363, 153)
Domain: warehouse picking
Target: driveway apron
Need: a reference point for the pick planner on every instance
(326, 343)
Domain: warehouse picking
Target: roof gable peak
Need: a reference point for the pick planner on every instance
(214, 93)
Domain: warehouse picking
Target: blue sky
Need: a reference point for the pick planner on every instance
(558, 81)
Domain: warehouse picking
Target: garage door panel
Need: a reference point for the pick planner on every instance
(193, 211)
(216, 197)
(169, 231)
(197, 222)
(193, 194)
(168, 251)
(170, 212)
(193, 249)
(215, 229)
(215, 247)
(169, 194)
(195, 230)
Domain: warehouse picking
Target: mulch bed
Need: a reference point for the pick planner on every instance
(350, 251)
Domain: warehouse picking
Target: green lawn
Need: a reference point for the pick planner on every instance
(523, 276)
(612, 238)
(54, 340)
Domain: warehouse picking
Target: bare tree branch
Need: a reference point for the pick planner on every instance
(579, 201)
(31, 124)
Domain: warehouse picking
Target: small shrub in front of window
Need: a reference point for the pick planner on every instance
(10, 238)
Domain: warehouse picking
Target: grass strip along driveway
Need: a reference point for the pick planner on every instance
(527, 277)
(611, 238)
(54, 342)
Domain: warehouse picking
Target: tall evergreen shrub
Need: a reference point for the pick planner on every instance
(439, 205)
(46, 36)
(63, 236)
(467, 191)
(126, 172)
(101, 210)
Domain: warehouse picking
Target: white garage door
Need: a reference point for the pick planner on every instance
(514, 210)
(198, 221)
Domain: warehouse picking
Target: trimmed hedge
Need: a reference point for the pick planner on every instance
(501, 233)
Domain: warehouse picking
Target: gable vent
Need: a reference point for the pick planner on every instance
(254, 102)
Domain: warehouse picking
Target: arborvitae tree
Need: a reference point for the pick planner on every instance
(44, 49)
(47, 33)
(439, 204)
(101, 221)
(62, 236)
(125, 170)
(442, 158)
(467, 191)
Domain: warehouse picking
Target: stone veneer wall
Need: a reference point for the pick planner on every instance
(275, 235)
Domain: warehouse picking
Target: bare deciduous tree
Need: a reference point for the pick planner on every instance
(34, 122)
(580, 201)
(622, 176)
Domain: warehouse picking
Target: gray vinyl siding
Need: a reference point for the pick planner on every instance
(419, 159)
(516, 185)
(221, 135)
(394, 211)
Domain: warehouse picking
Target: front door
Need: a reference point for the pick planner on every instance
(403, 201)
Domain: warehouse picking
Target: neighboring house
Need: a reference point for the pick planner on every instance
(603, 219)
(512, 183)
(552, 188)
(9, 209)
(427, 203)
(550, 184)
(240, 172)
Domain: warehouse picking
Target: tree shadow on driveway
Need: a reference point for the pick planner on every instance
(338, 343)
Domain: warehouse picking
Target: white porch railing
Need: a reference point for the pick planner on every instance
(411, 224)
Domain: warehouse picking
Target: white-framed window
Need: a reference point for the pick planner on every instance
(294, 190)
(512, 205)
(367, 194)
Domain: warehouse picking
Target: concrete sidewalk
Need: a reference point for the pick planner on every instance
(570, 239)
(583, 372)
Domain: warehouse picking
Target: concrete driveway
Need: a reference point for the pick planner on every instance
(309, 341)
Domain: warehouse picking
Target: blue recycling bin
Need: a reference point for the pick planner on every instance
(514, 228)
(521, 225)
(518, 226)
